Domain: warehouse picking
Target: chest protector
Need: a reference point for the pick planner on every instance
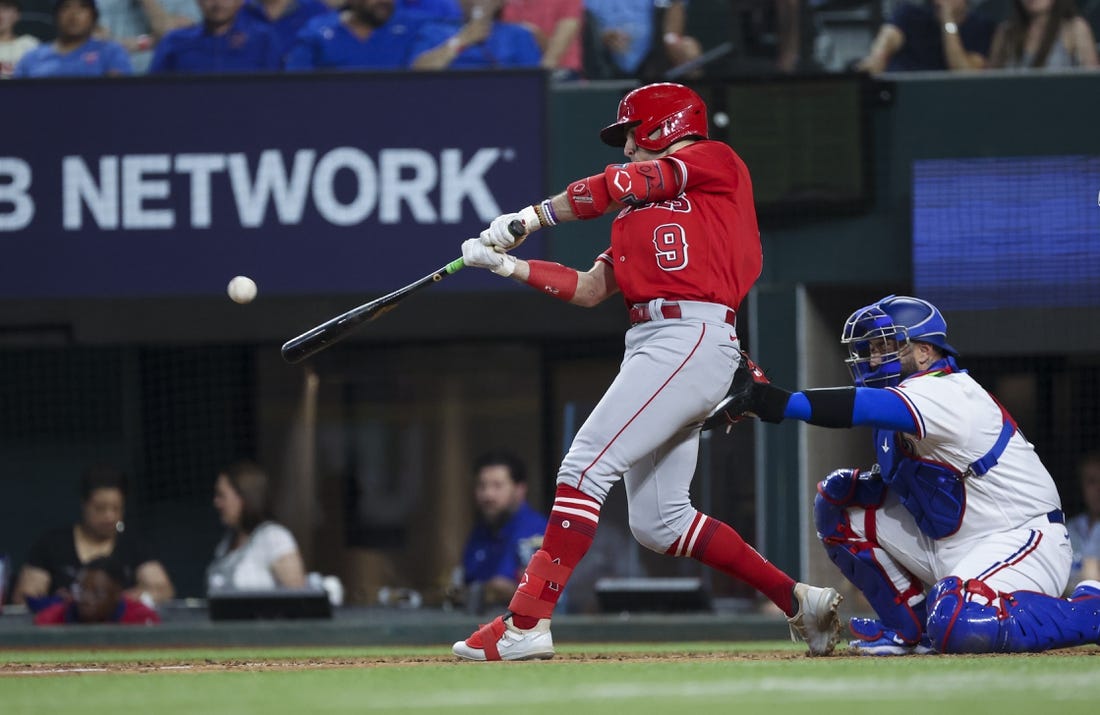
(934, 493)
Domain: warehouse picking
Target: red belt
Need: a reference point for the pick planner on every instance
(669, 311)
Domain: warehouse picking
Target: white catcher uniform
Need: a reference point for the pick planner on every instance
(957, 538)
(1011, 533)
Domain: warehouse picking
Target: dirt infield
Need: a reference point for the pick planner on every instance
(193, 665)
(277, 664)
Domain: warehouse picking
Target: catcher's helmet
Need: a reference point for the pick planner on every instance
(675, 110)
(896, 317)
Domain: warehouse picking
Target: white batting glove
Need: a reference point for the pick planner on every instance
(498, 234)
(478, 255)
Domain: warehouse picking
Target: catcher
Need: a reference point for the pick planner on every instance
(956, 536)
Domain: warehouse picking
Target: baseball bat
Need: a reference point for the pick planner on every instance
(314, 341)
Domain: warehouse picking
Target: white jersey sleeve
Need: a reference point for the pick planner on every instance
(958, 423)
(956, 418)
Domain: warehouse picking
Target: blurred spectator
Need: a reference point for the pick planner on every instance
(36, 18)
(256, 553)
(75, 53)
(556, 25)
(1044, 34)
(12, 48)
(479, 40)
(1084, 529)
(628, 32)
(934, 35)
(365, 35)
(98, 598)
(507, 533)
(138, 24)
(226, 41)
(5, 578)
(788, 30)
(771, 30)
(429, 9)
(285, 18)
(57, 557)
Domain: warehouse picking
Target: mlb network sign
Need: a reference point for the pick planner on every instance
(135, 192)
(331, 183)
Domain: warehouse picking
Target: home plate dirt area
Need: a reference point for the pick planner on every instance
(91, 666)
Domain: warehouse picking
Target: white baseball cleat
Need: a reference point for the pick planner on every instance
(816, 622)
(500, 640)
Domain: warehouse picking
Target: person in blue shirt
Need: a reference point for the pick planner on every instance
(75, 53)
(224, 42)
(477, 41)
(367, 34)
(631, 41)
(508, 532)
(429, 9)
(285, 18)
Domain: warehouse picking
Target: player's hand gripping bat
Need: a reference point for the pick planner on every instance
(313, 341)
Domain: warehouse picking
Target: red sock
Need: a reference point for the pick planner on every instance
(717, 545)
(569, 533)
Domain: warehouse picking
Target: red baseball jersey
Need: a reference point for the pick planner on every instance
(703, 245)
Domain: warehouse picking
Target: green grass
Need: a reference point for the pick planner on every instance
(1062, 683)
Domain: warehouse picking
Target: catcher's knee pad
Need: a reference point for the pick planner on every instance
(970, 617)
(853, 487)
(855, 555)
(837, 492)
(958, 625)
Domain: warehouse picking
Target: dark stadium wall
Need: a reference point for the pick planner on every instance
(85, 378)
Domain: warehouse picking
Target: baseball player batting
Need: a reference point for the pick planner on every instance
(957, 536)
(685, 249)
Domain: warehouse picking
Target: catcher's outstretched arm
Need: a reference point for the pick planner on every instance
(851, 407)
(840, 407)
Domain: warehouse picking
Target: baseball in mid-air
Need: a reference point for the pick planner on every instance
(721, 119)
(242, 289)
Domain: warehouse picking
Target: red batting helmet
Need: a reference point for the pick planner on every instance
(675, 110)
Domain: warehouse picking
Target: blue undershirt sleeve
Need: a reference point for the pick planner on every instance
(874, 407)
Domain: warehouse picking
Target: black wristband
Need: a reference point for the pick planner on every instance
(831, 407)
(769, 402)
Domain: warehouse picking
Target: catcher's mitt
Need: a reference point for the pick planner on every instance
(750, 394)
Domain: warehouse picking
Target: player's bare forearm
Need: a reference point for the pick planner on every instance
(595, 285)
(592, 287)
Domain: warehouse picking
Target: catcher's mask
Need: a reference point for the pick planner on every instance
(898, 318)
(673, 109)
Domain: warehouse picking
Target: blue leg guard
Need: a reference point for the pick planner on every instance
(854, 555)
(970, 617)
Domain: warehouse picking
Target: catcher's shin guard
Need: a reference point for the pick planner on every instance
(898, 601)
(970, 617)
